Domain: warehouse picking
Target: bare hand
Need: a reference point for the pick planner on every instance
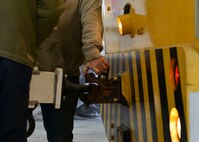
(98, 65)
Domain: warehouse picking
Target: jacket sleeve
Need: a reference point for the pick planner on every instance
(47, 15)
(92, 28)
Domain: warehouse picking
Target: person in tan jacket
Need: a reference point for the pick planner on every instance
(21, 25)
(76, 40)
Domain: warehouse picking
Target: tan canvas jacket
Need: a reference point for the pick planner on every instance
(25, 23)
(76, 39)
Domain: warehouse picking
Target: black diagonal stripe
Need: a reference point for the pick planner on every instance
(133, 97)
(141, 96)
(178, 99)
(151, 97)
(163, 95)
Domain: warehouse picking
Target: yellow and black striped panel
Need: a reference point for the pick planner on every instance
(155, 88)
(111, 113)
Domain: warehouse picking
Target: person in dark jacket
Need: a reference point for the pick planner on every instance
(76, 40)
(21, 25)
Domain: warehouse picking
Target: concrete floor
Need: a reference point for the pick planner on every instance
(85, 130)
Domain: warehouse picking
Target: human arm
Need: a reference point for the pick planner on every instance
(92, 31)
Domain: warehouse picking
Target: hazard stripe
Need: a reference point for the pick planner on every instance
(156, 95)
(130, 64)
(111, 107)
(168, 76)
(117, 107)
(163, 95)
(129, 97)
(146, 96)
(141, 97)
(114, 110)
(151, 96)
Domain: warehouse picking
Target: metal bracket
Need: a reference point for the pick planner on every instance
(103, 90)
(46, 87)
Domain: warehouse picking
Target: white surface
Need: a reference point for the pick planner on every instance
(194, 116)
(46, 87)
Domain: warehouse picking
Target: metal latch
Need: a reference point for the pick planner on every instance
(98, 90)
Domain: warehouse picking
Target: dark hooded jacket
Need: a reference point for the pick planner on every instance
(24, 24)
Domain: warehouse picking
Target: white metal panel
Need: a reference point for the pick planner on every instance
(46, 87)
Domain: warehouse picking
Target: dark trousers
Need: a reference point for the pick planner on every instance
(14, 96)
(58, 123)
